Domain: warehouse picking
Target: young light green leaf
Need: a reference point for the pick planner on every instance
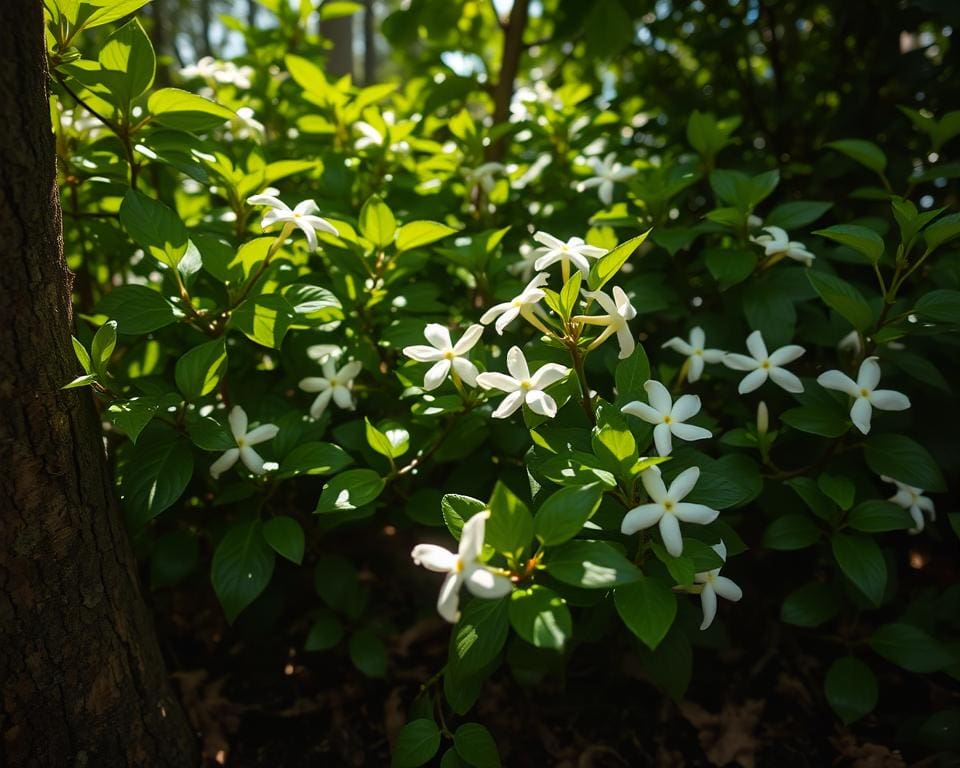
(377, 223)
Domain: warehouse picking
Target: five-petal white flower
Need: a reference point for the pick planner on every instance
(762, 365)
(667, 508)
(778, 243)
(444, 355)
(606, 173)
(714, 584)
(335, 384)
(695, 352)
(483, 176)
(522, 304)
(250, 458)
(462, 568)
(522, 387)
(575, 251)
(302, 216)
(864, 392)
(668, 416)
(619, 312)
(912, 500)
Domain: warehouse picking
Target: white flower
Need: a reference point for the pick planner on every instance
(574, 251)
(524, 267)
(619, 312)
(522, 304)
(301, 216)
(250, 458)
(714, 584)
(462, 568)
(912, 500)
(778, 243)
(668, 416)
(761, 365)
(865, 393)
(522, 387)
(482, 176)
(336, 384)
(606, 173)
(667, 508)
(246, 126)
(695, 351)
(371, 136)
(444, 354)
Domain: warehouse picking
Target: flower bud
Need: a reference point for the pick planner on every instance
(763, 419)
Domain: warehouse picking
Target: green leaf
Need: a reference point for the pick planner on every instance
(83, 357)
(851, 689)
(842, 297)
(417, 742)
(131, 416)
(186, 111)
(155, 473)
(590, 564)
(128, 56)
(105, 11)
(630, 375)
(541, 617)
(80, 381)
(729, 266)
(198, 372)
(138, 309)
(241, 568)
(941, 232)
(264, 319)
(326, 631)
(910, 647)
(457, 510)
(416, 234)
(479, 636)
(349, 490)
(378, 441)
(862, 562)
(810, 606)
(707, 135)
(903, 459)
(570, 295)
(604, 268)
(864, 152)
(876, 516)
(474, 744)
(368, 653)
(154, 226)
(681, 569)
(942, 305)
(377, 223)
(860, 239)
(797, 214)
(648, 608)
(670, 666)
(285, 536)
(338, 585)
(820, 419)
(564, 513)
(102, 346)
(793, 531)
(509, 528)
(837, 487)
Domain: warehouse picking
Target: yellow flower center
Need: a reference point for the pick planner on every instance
(765, 364)
(526, 384)
(459, 566)
(667, 419)
(864, 392)
(668, 505)
(449, 354)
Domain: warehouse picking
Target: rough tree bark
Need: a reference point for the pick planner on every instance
(513, 29)
(339, 31)
(83, 682)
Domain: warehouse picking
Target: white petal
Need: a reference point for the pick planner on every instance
(434, 558)
(787, 354)
(517, 364)
(548, 240)
(708, 602)
(889, 400)
(678, 345)
(548, 374)
(251, 460)
(238, 421)
(466, 370)
(438, 335)
(626, 342)
(448, 604)
(686, 407)
(695, 368)
(350, 370)
(471, 538)
(606, 192)
(227, 460)
(690, 432)
(261, 434)
(469, 339)
(306, 207)
(788, 381)
(270, 200)
(684, 483)
(653, 484)
(697, 337)
(658, 396)
(756, 347)
(662, 439)
(496, 380)
(739, 362)
(508, 405)
(435, 376)
(495, 311)
(700, 514)
(310, 233)
(838, 381)
(541, 403)
(860, 414)
(727, 589)
(869, 374)
(640, 518)
(314, 384)
(505, 319)
(643, 411)
(321, 403)
(713, 355)
(422, 353)
(486, 584)
(752, 381)
(342, 397)
(670, 533)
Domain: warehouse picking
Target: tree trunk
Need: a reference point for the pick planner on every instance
(513, 30)
(339, 31)
(369, 44)
(81, 673)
